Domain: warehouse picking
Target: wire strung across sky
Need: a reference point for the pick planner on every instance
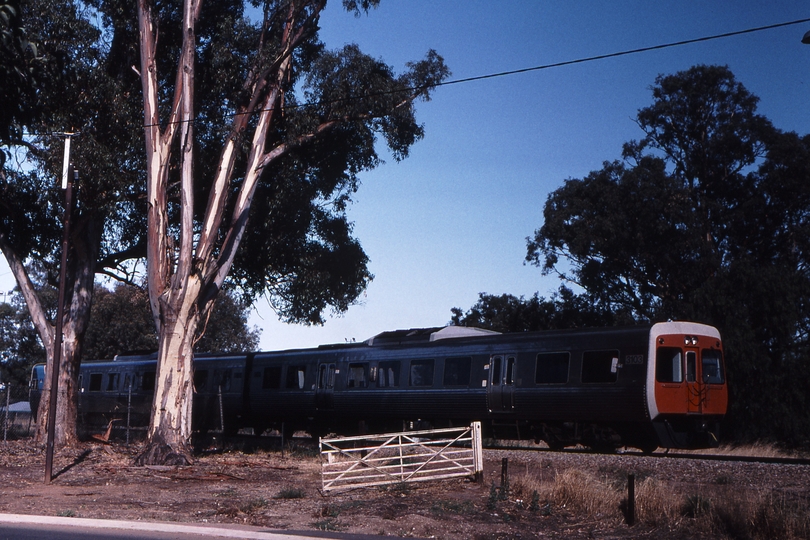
(624, 53)
(595, 58)
(544, 66)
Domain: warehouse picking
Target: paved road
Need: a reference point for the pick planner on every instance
(21, 527)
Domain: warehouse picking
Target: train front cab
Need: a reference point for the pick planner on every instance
(687, 395)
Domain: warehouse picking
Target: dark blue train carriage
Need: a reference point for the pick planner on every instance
(659, 385)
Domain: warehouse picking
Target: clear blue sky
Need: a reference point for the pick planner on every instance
(451, 220)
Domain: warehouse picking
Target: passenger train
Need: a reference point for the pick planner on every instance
(661, 385)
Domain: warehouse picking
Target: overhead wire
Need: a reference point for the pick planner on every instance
(541, 67)
(528, 69)
(625, 53)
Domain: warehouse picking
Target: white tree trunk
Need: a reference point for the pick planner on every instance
(170, 425)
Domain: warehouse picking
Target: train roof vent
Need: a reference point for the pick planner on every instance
(425, 335)
(452, 332)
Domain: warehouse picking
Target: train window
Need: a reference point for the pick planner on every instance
(510, 371)
(295, 377)
(691, 367)
(271, 377)
(357, 376)
(200, 379)
(112, 382)
(668, 365)
(600, 366)
(388, 375)
(95, 382)
(552, 368)
(457, 371)
(495, 369)
(148, 381)
(712, 366)
(421, 373)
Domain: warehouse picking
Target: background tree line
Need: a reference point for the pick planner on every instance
(120, 323)
(705, 218)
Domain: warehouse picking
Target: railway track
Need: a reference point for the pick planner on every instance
(666, 454)
(273, 441)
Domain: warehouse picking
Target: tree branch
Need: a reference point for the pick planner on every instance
(37, 312)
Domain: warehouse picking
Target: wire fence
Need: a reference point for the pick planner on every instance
(16, 420)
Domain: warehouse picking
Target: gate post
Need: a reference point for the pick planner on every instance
(478, 451)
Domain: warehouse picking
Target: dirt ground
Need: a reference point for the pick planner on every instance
(282, 492)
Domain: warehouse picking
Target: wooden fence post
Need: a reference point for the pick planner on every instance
(631, 499)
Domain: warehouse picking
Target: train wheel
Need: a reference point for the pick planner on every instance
(648, 449)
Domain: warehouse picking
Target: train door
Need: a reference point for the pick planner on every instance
(694, 385)
(501, 389)
(324, 394)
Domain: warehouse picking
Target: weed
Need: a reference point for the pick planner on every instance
(229, 492)
(503, 493)
(722, 480)
(696, 506)
(290, 493)
(534, 504)
(453, 507)
(252, 505)
(329, 525)
(400, 488)
(66, 513)
(492, 502)
(329, 511)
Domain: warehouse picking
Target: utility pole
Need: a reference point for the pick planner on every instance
(67, 174)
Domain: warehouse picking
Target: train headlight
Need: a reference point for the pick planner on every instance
(690, 340)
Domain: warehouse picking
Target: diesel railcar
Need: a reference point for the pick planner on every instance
(660, 385)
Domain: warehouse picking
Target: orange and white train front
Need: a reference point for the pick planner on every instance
(687, 394)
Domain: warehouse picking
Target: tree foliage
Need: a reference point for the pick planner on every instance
(565, 309)
(18, 73)
(20, 348)
(121, 323)
(300, 252)
(705, 219)
(78, 70)
(256, 125)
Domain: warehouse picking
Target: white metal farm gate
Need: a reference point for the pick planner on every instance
(393, 458)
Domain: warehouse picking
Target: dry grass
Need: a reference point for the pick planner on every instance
(576, 491)
(762, 515)
(582, 492)
(656, 504)
(753, 450)
(709, 511)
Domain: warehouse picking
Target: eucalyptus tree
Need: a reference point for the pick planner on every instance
(705, 218)
(121, 323)
(81, 87)
(299, 251)
(294, 126)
